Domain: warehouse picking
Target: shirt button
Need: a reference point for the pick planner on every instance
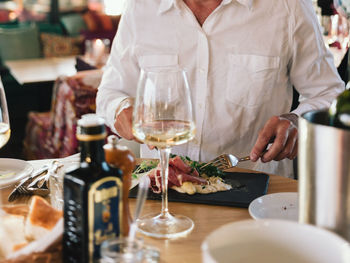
(202, 71)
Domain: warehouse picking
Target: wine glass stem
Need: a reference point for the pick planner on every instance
(164, 164)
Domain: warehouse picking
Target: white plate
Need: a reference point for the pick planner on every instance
(273, 241)
(275, 206)
(13, 170)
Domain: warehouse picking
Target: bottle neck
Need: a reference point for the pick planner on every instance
(92, 152)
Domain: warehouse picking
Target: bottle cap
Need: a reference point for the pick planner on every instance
(91, 119)
(112, 139)
(91, 127)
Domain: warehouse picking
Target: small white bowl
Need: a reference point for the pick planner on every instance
(273, 241)
(275, 206)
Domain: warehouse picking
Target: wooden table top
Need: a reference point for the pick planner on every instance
(207, 218)
(41, 69)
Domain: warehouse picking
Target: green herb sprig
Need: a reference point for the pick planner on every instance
(144, 167)
(209, 170)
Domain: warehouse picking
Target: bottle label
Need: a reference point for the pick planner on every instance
(105, 213)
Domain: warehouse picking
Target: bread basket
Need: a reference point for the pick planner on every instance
(47, 249)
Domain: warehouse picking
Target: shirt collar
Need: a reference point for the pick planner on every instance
(246, 3)
(165, 5)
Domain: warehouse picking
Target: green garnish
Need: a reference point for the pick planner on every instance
(144, 167)
(209, 170)
(172, 155)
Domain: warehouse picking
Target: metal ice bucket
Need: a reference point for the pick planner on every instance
(324, 174)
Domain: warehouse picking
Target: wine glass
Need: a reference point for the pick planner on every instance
(5, 130)
(163, 118)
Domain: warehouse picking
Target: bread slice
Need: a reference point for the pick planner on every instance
(41, 219)
(12, 234)
(20, 210)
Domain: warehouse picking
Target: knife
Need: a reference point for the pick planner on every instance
(21, 188)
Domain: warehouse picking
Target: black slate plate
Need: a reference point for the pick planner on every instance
(245, 188)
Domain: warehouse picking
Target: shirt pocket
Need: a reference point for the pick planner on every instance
(251, 79)
(158, 62)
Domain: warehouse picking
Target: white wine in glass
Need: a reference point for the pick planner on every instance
(163, 118)
(5, 130)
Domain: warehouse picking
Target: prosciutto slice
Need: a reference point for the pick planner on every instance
(182, 166)
(179, 172)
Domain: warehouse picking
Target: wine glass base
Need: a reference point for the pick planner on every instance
(165, 226)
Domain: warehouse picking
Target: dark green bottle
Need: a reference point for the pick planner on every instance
(339, 112)
(92, 196)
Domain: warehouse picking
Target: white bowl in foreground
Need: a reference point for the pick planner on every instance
(273, 241)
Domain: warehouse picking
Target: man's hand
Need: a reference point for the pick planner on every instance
(123, 124)
(283, 131)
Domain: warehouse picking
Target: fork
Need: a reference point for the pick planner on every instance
(225, 161)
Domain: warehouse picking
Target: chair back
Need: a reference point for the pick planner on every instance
(72, 97)
(20, 42)
(53, 134)
(73, 24)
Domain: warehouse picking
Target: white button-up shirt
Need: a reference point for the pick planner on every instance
(241, 65)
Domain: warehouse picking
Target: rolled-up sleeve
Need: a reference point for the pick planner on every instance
(121, 73)
(312, 69)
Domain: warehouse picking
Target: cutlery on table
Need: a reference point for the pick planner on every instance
(21, 188)
(37, 183)
(41, 182)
